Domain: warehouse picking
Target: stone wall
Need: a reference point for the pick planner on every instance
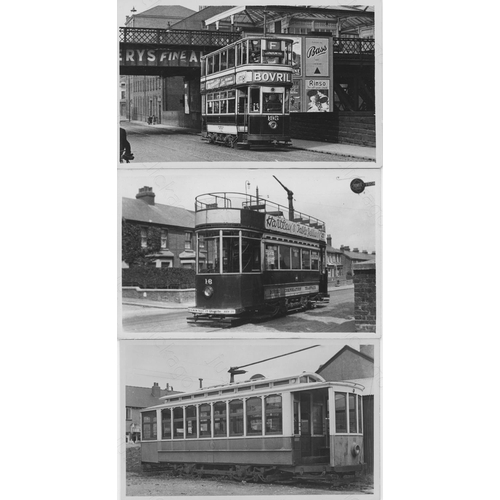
(185, 297)
(365, 293)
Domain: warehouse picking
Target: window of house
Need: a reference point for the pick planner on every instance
(190, 422)
(164, 238)
(166, 424)
(274, 410)
(188, 240)
(340, 412)
(236, 417)
(149, 425)
(205, 421)
(128, 412)
(254, 416)
(178, 423)
(144, 237)
(220, 420)
(353, 418)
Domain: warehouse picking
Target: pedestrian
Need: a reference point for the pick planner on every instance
(125, 148)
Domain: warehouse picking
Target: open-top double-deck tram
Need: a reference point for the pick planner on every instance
(245, 89)
(251, 260)
(261, 430)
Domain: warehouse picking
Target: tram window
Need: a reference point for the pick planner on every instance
(353, 427)
(205, 421)
(178, 423)
(254, 56)
(210, 108)
(166, 424)
(149, 425)
(284, 257)
(230, 254)
(306, 259)
(360, 416)
(273, 102)
(210, 63)
(190, 422)
(231, 105)
(250, 254)
(216, 107)
(223, 60)
(254, 416)
(236, 418)
(287, 101)
(296, 420)
(340, 412)
(220, 428)
(242, 100)
(223, 106)
(317, 419)
(254, 100)
(295, 258)
(243, 52)
(208, 254)
(274, 411)
(230, 57)
(216, 62)
(314, 260)
(271, 257)
(287, 47)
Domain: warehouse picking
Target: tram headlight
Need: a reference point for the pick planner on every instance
(208, 291)
(273, 124)
(355, 450)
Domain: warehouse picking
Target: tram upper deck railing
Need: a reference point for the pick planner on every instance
(178, 37)
(159, 36)
(240, 201)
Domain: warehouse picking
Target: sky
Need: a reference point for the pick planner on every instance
(351, 219)
(182, 362)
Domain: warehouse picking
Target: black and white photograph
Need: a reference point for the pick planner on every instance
(247, 83)
(262, 251)
(219, 418)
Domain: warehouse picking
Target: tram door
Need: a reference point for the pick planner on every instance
(302, 424)
(243, 109)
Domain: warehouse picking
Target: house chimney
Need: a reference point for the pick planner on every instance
(155, 390)
(146, 194)
(373, 253)
(167, 387)
(365, 251)
(355, 249)
(329, 239)
(369, 350)
(201, 383)
(346, 248)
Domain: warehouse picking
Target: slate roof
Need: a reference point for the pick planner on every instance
(200, 16)
(170, 11)
(142, 397)
(344, 349)
(359, 255)
(139, 210)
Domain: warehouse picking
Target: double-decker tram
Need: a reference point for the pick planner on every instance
(260, 430)
(252, 261)
(245, 90)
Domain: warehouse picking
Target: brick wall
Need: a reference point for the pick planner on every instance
(365, 304)
(339, 127)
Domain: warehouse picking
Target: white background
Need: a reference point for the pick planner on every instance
(440, 276)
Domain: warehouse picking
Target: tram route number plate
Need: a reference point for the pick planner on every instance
(273, 118)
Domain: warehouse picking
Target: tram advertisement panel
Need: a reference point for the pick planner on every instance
(318, 95)
(295, 96)
(317, 56)
(282, 225)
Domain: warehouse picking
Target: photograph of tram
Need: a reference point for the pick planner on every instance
(247, 249)
(295, 412)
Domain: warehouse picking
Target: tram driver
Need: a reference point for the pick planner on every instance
(272, 103)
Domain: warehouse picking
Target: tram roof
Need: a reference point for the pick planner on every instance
(353, 16)
(248, 386)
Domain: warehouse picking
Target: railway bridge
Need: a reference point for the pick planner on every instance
(168, 53)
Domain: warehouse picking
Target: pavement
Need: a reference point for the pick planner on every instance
(184, 305)
(348, 150)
